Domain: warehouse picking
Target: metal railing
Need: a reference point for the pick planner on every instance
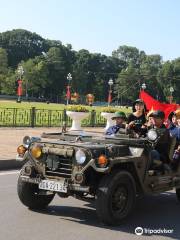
(33, 117)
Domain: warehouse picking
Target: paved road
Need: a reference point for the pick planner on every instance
(73, 219)
(11, 138)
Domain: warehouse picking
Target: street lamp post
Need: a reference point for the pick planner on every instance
(20, 72)
(26, 89)
(68, 94)
(110, 91)
(143, 86)
(171, 89)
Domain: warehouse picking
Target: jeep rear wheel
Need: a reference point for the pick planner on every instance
(29, 195)
(178, 193)
(116, 197)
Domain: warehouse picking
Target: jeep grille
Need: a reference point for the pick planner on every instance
(58, 166)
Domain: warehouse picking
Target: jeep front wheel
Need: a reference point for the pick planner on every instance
(116, 197)
(29, 195)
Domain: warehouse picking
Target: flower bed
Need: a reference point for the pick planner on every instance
(109, 109)
(77, 108)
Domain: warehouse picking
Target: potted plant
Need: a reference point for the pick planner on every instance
(108, 113)
(76, 113)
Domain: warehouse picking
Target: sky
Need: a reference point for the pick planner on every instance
(99, 26)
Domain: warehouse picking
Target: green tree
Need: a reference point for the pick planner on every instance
(3, 67)
(176, 79)
(47, 63)
(164, 78)
(128, 54)
(3, 61)
(35, 79)
(81, 69)
(21, 45)
(149, 68)
(127, 84)
(8, 83)
(56, 64)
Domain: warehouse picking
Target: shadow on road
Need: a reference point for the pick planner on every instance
(151, 212)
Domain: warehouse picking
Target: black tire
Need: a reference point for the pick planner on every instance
(117, 186)
(178, 193)
(28, 194)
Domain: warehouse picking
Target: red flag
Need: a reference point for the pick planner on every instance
(109, 97)
(19, 89)
(153, 104)
(68, 93)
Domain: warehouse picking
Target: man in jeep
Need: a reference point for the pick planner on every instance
(160, 155)
(120, 118)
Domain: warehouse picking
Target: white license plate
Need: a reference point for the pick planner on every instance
(57, 186)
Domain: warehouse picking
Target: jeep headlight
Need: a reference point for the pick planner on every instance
(152, 135)
(80, 156)
(26, 140)
(36, 152)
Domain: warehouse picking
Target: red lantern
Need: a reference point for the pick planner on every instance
(75, 97)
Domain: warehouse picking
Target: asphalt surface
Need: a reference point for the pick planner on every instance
(74, 219)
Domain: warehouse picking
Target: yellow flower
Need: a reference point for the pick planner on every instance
(77, 108)
(109, 109)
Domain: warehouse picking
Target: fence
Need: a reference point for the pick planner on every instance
(33, 117)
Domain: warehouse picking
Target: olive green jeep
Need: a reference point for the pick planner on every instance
(113, 170)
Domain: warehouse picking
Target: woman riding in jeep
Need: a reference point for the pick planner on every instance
(136, 120)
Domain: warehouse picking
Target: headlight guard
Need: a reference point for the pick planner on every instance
(27, 140)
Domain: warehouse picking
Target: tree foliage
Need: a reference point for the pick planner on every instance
(21, 45)
(47, 62)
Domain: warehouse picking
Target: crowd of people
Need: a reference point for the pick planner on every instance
(140, 121)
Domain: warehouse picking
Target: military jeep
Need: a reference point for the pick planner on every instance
(113, 170)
